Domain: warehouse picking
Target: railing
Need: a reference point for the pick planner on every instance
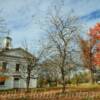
(50, 95)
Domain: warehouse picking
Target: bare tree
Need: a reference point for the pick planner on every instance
(61, 32)
(49, 72)
(29, 69)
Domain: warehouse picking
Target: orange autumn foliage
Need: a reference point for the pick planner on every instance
(98, 47)
(95, 34)
(3, 78)
(85, 52)
(97, 55)
(87, 45)
(96, 58)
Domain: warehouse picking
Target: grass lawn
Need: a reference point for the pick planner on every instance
(80, 87)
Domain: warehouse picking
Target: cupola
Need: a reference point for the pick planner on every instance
(7, 43)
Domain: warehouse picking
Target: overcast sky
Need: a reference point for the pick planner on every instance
(25, 18)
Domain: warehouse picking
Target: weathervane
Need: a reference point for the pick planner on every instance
(8, 33)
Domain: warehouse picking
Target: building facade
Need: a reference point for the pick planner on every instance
(11, 60)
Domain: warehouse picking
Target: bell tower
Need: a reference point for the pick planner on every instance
(7, 42)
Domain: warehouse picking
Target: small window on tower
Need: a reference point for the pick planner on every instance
(7, 45)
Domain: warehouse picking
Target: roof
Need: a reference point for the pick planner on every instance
(16, 52)
(8, 37)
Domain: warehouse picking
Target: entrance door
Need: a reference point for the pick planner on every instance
(16, 82)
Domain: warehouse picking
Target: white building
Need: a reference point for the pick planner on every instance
(10, 61)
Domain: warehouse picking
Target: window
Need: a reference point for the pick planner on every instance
(2, 82)
(16, 79)
(4, 65)
(17, 67)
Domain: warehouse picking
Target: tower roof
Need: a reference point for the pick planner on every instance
(8, 37)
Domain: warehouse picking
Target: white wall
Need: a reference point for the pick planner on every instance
(9, 83)
(33, 83)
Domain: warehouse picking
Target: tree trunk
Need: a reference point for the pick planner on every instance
(28, 82)
(63, 82)
(77, 82)
(64, 87)
(56, 82)
(92, 77)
